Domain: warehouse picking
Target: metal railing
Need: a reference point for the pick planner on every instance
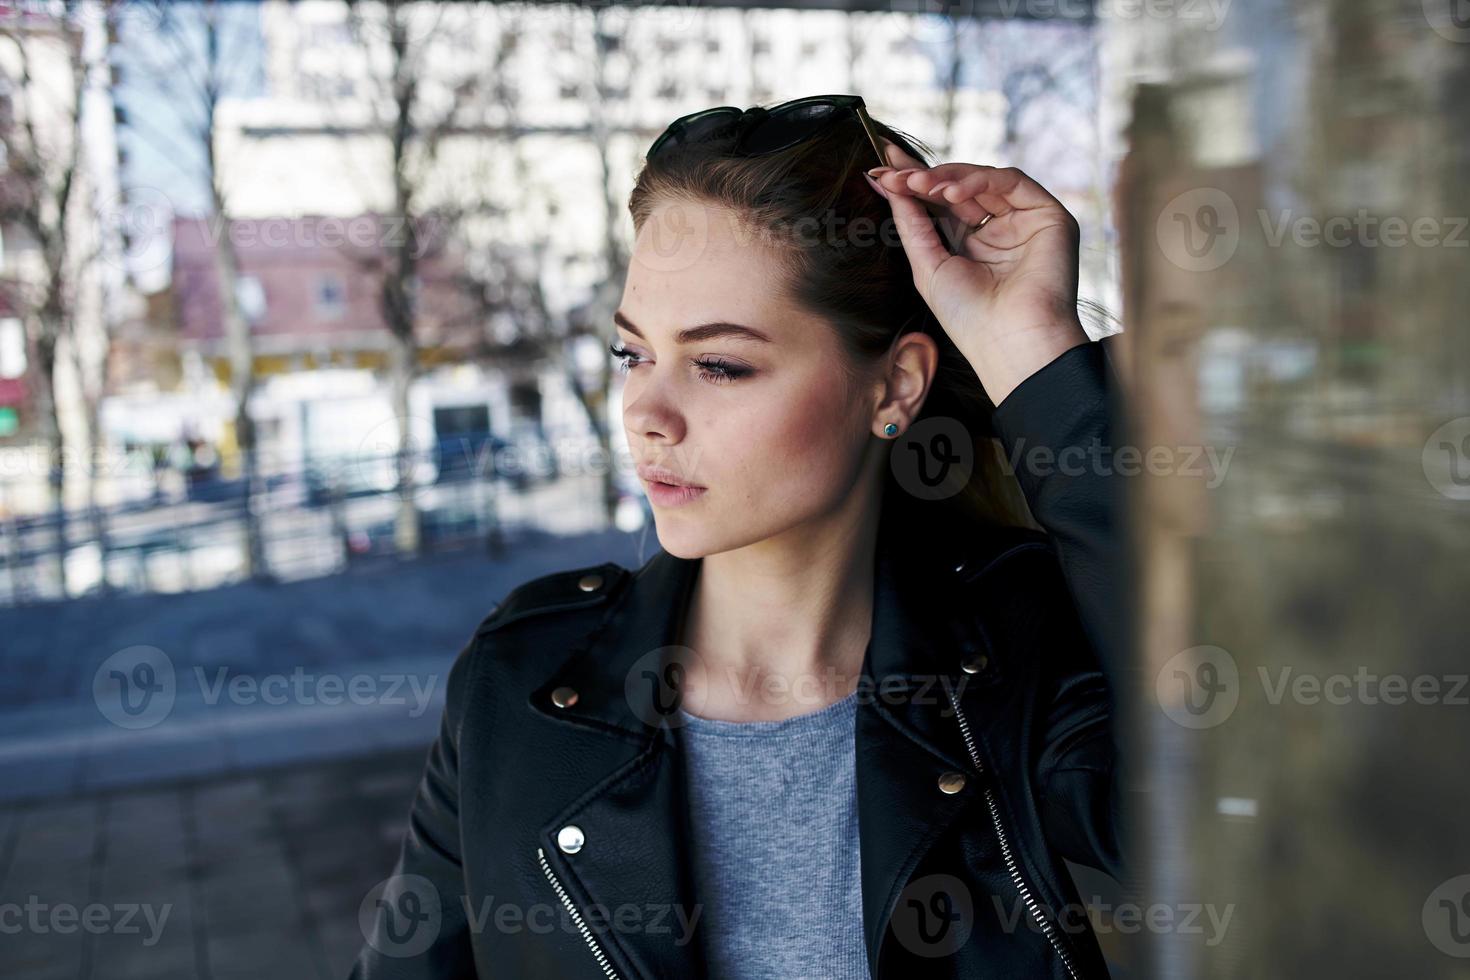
(315, 519)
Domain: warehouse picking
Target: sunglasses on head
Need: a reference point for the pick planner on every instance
(759, 130)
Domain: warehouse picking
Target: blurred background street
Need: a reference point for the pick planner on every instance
(249, 824)
(249, 669)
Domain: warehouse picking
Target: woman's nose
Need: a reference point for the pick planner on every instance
(650, 411)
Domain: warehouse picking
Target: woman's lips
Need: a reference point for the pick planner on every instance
(666, 488)
(672, 495)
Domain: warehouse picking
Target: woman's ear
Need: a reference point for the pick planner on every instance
(905, 384)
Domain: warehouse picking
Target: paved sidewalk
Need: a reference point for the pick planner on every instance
(250, 876)
(251, 675)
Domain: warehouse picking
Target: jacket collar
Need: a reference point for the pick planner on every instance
(907, 736)
(621, 672)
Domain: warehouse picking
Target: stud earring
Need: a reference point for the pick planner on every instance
(890, 429)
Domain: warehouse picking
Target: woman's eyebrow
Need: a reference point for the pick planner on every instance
(705, 331)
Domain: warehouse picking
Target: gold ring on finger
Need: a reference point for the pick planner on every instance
(982, 223)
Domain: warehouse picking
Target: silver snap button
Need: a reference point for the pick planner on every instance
(564, 697)
(570, 839)
(952, 782)
(590, 583)
(974, 663)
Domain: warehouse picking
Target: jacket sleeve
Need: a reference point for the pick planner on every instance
(417, 928)
(1058, 428)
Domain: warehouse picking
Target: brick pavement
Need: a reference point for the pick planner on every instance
(230, 876)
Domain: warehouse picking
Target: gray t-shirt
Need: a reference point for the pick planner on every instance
(773, 805)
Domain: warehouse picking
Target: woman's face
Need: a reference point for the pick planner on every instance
(732, 388)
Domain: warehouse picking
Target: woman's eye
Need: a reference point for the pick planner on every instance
(625, 356)
(712, 369)
(719, 371)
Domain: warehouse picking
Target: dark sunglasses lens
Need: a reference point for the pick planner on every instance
(788, 126)
(695, 129)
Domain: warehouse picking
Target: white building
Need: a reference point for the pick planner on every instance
(308, 146)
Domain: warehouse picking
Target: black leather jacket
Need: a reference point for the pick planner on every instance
(548, 837)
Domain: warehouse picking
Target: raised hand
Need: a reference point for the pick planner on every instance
(1006, 291)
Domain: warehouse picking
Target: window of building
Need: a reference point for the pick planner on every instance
(331, 297)
(12, 348)
(250, 295)
(330, 34)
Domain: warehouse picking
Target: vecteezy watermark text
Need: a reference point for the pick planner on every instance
(1194, 461)
(119, 918)
(303, 688)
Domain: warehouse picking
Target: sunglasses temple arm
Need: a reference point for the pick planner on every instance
(872, 136)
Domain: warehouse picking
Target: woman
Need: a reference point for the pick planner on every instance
(850, 720)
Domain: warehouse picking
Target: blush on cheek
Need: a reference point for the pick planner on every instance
(818, 419)
(806, 458)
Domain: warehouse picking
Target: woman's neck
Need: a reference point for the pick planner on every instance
(780, 628)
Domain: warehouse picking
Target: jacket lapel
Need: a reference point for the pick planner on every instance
(635, 820)
(907, 736)
(636, 854)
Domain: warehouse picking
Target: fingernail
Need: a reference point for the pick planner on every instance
(875, 185)
(909, 170)
(939, 187)
(879, 171)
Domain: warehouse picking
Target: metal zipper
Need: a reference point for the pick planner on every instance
(1005, 848)
(561, 893)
